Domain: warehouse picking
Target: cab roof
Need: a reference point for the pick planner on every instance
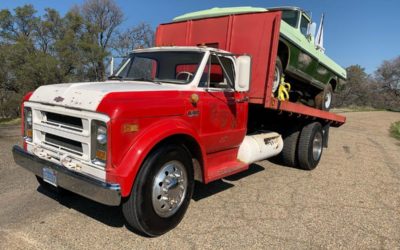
(182, 48)
(214, 12)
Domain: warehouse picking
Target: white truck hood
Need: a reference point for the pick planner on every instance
(88, 95)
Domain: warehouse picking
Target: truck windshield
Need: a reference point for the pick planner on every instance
(290, 17)
(178, 67)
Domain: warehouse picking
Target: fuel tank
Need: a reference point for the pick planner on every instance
(261, 146)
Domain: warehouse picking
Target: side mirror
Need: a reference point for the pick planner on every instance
(243, 74)
(312, 28)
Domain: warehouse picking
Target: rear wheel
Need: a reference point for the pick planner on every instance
(324, 99)
(161, 193)
(310, 146)
(289, 151)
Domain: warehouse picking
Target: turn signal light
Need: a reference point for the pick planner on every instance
(101, 155)
(28, 133)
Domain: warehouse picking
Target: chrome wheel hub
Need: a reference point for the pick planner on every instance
(169, 188)
(317, 146)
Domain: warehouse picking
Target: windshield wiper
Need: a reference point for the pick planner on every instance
(144, 80)
(115, 77)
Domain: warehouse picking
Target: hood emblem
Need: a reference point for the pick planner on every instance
(58, 99)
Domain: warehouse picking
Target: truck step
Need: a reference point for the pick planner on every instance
(222, 164)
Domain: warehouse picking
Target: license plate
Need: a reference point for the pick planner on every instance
(50, 176)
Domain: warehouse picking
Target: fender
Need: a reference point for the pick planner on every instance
(125, 173)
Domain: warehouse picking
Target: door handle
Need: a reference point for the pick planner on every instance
(241, 100)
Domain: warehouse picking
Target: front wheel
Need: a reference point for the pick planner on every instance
(161, 193)
(324, 99)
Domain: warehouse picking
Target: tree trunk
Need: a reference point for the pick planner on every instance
(100, 71)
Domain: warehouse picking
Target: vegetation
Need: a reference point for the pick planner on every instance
(38, 50)
(10, 121)
(380, 91)
(395, 130)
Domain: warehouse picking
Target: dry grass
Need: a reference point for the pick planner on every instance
(395, 130)
(353, 108)
(10, 121)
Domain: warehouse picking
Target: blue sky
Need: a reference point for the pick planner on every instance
(364, 32)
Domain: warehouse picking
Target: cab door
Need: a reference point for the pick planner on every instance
(223, 113)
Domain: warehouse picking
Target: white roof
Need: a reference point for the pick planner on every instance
(182, 48)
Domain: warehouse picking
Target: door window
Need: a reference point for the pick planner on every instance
(304, 25)
(219, 73)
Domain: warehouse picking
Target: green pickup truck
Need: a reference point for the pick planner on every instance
(312, 75)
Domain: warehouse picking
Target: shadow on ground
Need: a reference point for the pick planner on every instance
(113, 217)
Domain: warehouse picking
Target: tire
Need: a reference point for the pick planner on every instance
(143, 209)
(277, 75)
(310, 146)
(324, 99)
(289, 151)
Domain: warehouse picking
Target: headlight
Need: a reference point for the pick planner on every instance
(99, 143)
(28, 124)
(102, 135)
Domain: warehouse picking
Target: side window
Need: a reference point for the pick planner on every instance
(218, 73)
(304, 25)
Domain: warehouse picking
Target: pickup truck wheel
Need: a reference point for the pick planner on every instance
(277, 75)
(289, 151)
(324, 99)
(310, 146)
(161, 193)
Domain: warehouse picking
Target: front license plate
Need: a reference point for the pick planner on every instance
(50, 176)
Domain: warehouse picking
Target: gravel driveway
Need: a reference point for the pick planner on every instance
(352, 200)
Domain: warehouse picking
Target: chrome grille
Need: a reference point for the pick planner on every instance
(63, 121)
(64, 143)
(63, 136)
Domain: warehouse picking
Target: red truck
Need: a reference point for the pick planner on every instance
(197, 107)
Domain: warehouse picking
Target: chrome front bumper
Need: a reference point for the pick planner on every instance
(102, 192)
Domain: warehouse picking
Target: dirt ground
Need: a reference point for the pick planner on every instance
(352, 200)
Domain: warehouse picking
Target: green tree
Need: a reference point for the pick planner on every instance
(102, 17)
(356, 88)
(37, 50)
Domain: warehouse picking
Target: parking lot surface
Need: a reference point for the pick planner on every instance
(351, 200)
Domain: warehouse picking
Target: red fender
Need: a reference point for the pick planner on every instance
(125, 172)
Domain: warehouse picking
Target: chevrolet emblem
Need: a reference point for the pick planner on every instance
(58, 99)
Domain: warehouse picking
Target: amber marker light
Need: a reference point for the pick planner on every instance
(101, 155)
(28, 133)
(130, 128)
(194, 99)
